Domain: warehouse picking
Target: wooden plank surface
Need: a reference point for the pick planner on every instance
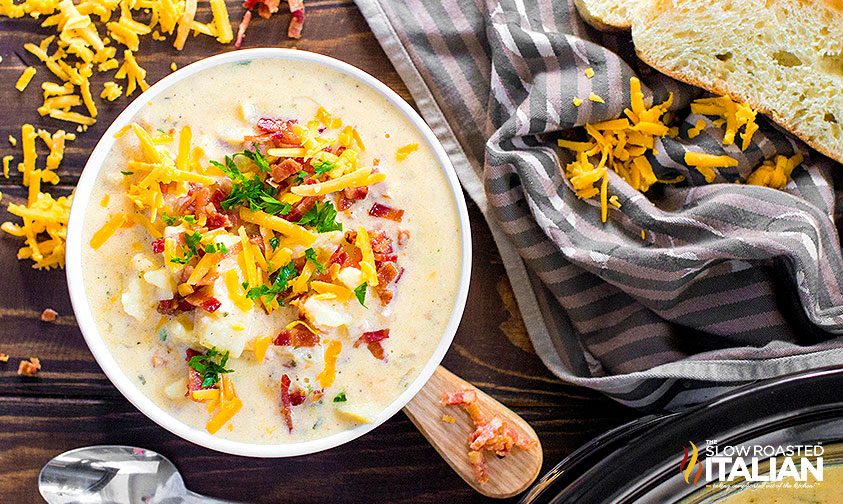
(71, 403)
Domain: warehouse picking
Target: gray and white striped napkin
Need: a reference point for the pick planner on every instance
(732, 283)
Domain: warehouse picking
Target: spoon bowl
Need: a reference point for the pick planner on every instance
(114, 474)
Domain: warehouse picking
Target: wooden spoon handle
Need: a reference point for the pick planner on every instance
(509, 475)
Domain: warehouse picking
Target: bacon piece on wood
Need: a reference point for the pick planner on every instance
(286, 402)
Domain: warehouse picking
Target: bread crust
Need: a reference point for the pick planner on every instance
(724, 90)
(609, 25)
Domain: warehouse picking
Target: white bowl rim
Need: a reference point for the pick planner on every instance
(100, 349)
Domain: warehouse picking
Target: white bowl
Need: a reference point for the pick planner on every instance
(82, 308)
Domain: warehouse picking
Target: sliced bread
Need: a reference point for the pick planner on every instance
(607, 15)
(782, 57)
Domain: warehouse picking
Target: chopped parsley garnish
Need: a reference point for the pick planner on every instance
(162, 334)
(300, 176)
(250, 191)
(323, 218)
(279, 285)
(320, 167)
(127, 173)
(360, 292)
(340, 397)
(256, 158)
(310, 254)
(273, 242)
(216, 248)
(210, 365)
(192, 240)
(172, 221)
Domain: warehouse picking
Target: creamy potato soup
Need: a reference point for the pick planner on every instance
(272, 252)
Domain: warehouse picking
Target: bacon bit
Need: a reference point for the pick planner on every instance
(296, 18)
(297, 397)
(386, 212)
(211, 305)
(373, 340)
(403, 237)
(464, 397)
(174, 306)
(350, 195)
(217, 220)
(49, 315)
(241, 30)
(382, 247)
(301, 208)
(387, 272)
(297, 336)
(478, 464)
(374, 336)
(489, 435)
(282, 170)
(286, 402)
(158, 246)
(30, 367)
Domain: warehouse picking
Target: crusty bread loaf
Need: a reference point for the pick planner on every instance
(782, 57)
(609, 15)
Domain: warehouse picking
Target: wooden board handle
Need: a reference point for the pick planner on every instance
(508, 476)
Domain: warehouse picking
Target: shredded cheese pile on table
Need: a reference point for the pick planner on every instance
(84, 43)
(43, 218)
(622, 145)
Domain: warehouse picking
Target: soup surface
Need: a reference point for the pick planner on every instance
(271, 252)
(827, 491)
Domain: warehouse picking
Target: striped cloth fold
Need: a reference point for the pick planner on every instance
(730, 283)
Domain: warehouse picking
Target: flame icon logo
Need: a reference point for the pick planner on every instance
(689, 461)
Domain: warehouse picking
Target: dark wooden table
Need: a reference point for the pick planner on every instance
(71, 403)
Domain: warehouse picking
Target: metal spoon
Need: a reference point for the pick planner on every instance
(115, 474)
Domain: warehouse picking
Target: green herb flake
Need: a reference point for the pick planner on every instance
(141, 379)
(216, 248)
(192, 240)
(310, 254)
(300, 177)
(340, 397)
(273, 242)
(127, 173)
(360, 292)
(321, 167)
(162, 334)
(210, 365)
(170, 221)
(279, 284)
(322, 218)
(190, 219)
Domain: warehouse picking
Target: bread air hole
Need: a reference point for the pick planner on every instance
(724, 56)
(786, 59)
(829, 117)
(831, 65)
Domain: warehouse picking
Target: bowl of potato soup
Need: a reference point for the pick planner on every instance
(268, 253)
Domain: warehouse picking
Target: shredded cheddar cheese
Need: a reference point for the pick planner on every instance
(260, 346)
(332, 352)
(774, 172)
(107, 230)
(577, 101)
(622, 145)
(403, 152)
(25, 78)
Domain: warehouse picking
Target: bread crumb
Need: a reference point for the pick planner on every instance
(595, 98)
(49, 315)
(173, 66)
(577, 101)
(589, 72)
(448, 419)
(643, 235)
(30, 367)
(4, 357)
(13, 141)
